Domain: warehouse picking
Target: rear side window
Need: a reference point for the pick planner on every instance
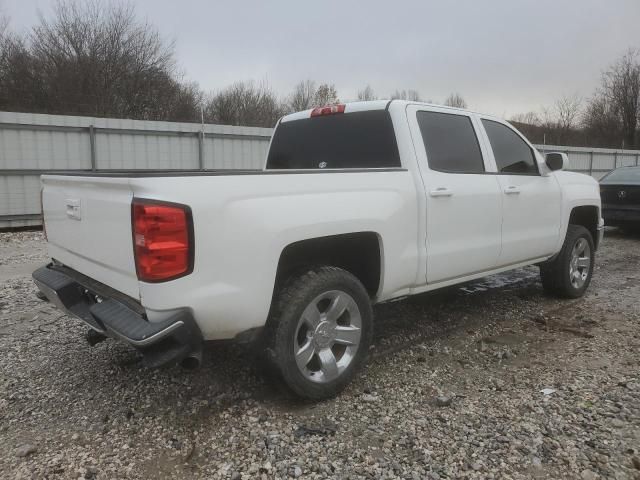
(450, 142)
(511, 152)
(349, 140)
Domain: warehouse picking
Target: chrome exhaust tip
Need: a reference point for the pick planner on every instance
(192, 361)
(93, 337)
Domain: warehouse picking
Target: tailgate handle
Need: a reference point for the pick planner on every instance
(74, 210)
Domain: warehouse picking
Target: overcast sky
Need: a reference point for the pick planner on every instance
(503, 56)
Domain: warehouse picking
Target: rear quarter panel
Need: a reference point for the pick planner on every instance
(243, 223)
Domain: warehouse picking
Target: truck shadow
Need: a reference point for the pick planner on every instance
(628, 233)
(230, 377)
(434, 316)
(428, 318)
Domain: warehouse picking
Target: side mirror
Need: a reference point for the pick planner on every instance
(556, 160)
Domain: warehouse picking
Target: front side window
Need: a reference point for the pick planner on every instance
(511, 152)
(450, 142)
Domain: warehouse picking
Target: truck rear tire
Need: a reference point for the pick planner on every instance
(569, 274)
(320, 331)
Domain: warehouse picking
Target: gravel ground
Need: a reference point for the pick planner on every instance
(455, 389)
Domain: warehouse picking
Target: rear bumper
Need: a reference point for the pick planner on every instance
(165, 342)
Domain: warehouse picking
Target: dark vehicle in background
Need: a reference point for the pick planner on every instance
(620, 193)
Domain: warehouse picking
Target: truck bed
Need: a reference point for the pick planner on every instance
(242, 221)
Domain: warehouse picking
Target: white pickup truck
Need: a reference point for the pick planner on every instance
(357, 204)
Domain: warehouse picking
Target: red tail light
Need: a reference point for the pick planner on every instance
(162, 240)
(328, 110)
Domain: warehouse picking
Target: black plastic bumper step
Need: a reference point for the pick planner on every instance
(65, 294)
(164, 342)
(126, 324)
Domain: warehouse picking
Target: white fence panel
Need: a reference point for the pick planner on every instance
(39, 149)
(19, 200)
(126, 151)
(31, 144)
(234, 153)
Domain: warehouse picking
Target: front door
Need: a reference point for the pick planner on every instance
(464, 204)
(531, 207)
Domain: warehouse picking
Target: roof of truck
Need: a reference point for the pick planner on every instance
(351, 107)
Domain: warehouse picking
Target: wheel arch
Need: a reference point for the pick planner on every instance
(360, 253)
(587, 216)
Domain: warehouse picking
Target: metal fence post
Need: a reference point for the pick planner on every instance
(637, 158)
(92, 143)
(615, 159)
(201, 150)
(591, 164)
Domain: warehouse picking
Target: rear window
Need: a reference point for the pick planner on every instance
(350, 140)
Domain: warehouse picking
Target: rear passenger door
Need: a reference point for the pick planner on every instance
(464, 210)
(531, 208)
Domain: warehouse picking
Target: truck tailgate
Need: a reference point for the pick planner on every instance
(88, 224)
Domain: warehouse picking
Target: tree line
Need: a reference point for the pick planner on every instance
(610, 118)
(99, 59)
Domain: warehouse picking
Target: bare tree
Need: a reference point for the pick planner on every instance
(303, 96)
(529, 125)
(621, 87)
(455, 100)
(4, 23)
(98, 58)
(94, 58)
(602, 122)
(5, 37)
(21, 85)
(559, 123)
(411, 95)
(367, 93)
(548, 119)
(567, 110)
(244, 103)
(182, 103)
(528, 118)
(325, 95)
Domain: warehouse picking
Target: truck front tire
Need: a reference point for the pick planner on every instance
(569, 274)
(320, 331)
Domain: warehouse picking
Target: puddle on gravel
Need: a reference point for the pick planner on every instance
(501, 280)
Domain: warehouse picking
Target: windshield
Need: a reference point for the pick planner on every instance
(350, 140)
(623, 175)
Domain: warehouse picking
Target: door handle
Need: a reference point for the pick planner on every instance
(441, 192)
(511, 189)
